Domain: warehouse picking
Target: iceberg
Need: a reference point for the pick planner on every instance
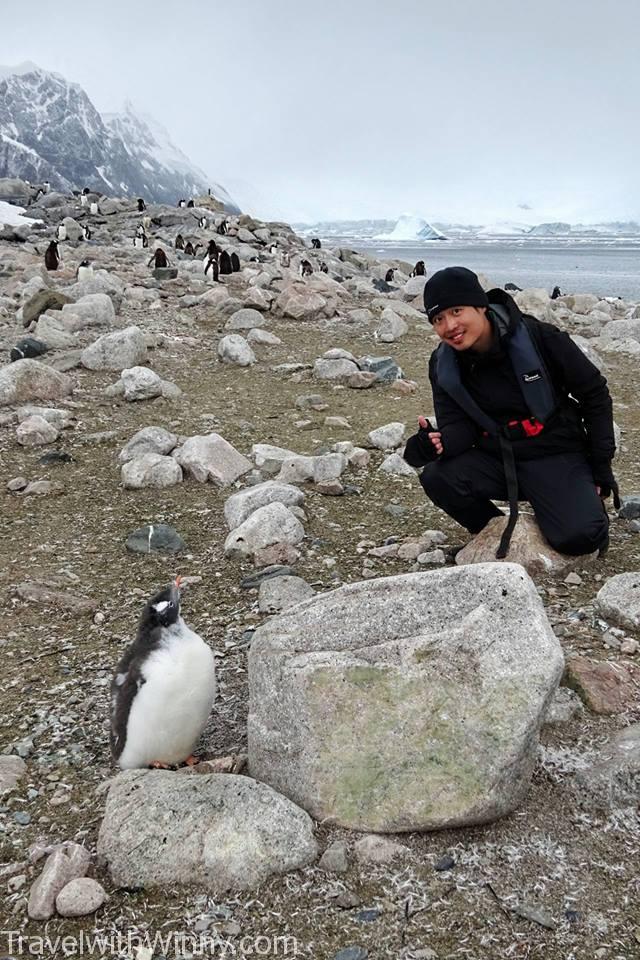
(411, 228)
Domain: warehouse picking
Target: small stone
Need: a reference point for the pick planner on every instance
(368, 916)
(12, 768)
(155, 538)
(17, 484)
(387, 437)
(80, 897)
(334, 859)
(566, 705)
(361, 380)
(630, 509)
(340, 423)
(376, 848)
(395, 509)
(352, 953)
(573, 579)
(43, 488)
(432, 558)
(330, 488)
(444, 863)
(276, 553)
(22, 817)
(347, 900)
(629, 646)
(67, 862)
(605, 687)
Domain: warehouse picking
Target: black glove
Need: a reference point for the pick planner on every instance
(603, 477)
(419, 449)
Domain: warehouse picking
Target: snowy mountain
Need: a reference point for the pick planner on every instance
(50, 130)
(410, 228)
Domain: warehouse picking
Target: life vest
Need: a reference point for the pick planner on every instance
(529, 368)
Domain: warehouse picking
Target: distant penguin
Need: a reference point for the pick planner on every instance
(47, 186)
(222, 228)
(235, 262)
(191, 204)
(179, 242)
(512, 287)
(285, 259)
(27, 349)
(555, 293)
(418, 270)
(389, 275)
(225, 263)
(85, 191)
(94, 209)
(61, 232)
(87, 233)
(141, 205)
(203, 222)
(212, 264)
(189, 249)
(182, 204)
(323, 267)
(305, 268)
(163, 689)
(212, 249)
(83, 199)
(85, 271)
(159, 259)
(140, 231)
(273, 248)
(146, 223)
(315, 243)
(51, 256)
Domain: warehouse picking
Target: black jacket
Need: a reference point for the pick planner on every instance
(583, 419)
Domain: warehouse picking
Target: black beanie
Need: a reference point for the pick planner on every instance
(453, 287)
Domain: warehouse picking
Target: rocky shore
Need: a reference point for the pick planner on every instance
(410, 755)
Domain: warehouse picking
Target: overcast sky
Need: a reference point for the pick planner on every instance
(455, 110)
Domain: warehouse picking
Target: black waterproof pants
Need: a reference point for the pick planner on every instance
(560, 489)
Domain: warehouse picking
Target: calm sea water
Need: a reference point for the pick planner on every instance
(609, 269)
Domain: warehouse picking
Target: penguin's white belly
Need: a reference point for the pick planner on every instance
(171, 709)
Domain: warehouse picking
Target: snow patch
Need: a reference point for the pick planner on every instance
(11, 215)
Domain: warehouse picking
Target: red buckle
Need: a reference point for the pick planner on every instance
(532, 427)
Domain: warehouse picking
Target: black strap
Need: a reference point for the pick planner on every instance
(509, 464)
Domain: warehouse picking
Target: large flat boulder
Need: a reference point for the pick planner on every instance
(116, 351)
(405, 703)
(26, 380)
(268, 525)
(215, 831)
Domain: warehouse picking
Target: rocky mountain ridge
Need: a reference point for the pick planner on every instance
(50, 130)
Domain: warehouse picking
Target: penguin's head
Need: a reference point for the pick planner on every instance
(163, 609)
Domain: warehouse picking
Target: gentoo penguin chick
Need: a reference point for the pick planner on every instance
(225, 262)
(285, 259)
(555, 293)
(323, 267)
(189, 248)
(235, 262)
(85, 271)
(141, 205)
(179, 242)
(191, 204)
(159, 259)
(212, 249)
(51, 256)
(222, 228)
(163, 689)
(389, 275)
(305, 268)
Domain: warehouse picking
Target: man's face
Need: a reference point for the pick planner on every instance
(464, 328)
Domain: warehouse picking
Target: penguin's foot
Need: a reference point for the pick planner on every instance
(192, 760)
(159, 765)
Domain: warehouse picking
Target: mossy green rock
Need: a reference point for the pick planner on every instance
(405, 703)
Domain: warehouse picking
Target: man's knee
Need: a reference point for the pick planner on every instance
(433, 480)
(578, 541)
